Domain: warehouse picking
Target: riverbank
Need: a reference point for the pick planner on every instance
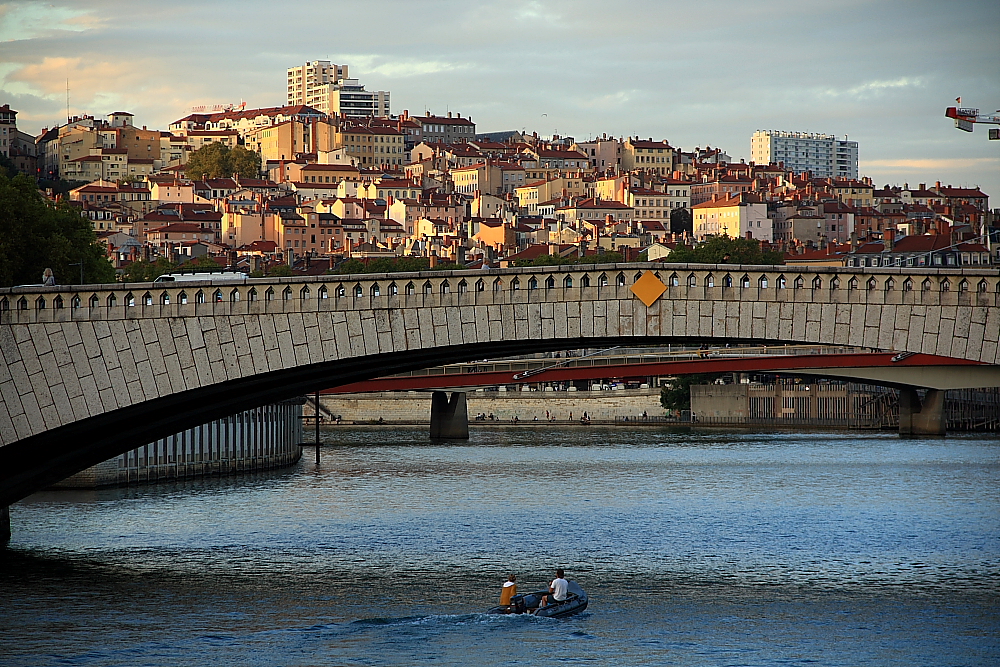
(414, 407)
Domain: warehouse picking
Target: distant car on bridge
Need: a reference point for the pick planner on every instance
(214, 278)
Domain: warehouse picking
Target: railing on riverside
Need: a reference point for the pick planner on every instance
(628, 356)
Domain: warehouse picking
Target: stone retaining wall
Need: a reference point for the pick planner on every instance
(260, 439)
(414, 406)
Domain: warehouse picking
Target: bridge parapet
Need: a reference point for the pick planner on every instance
(574, 283)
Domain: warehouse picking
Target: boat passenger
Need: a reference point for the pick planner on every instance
(508, 591)
(558, 590)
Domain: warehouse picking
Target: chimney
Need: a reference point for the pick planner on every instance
(449, 114)
(937, 185)
(889, 239)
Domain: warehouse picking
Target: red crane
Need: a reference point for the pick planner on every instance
(966, 118)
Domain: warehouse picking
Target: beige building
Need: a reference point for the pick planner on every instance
(247, 121)
(532, 195)
(110, 164)
(373, 146)
(309, 84)
(311, 172)
(649, 156)
(291, 139)
(603, 153)
(482, 177)
(736, 217)
(385, 188)
(594, 210)
(327, 87)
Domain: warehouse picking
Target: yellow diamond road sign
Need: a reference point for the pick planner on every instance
(648, 288)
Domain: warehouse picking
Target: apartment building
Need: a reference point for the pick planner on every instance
(374, 146)
(603, 153)
(648, 155)
(735, 217)
(327, 87)
(822, 154)
(8, 127)
(290, 139)
(449, 129)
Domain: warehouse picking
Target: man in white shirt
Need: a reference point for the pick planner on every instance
(558, 589)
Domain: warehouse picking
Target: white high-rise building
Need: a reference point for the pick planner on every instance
(822, 154)
(326, 87)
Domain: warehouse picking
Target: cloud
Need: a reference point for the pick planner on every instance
(402, 69)
(611, 100)
(873, 88)
(931, 164)
(536, 11)
(29, 20)
(88, 80)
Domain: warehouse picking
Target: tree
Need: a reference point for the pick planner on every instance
(244, 162)
(279, 271)
(546, 260)
(146, 272)
(602, 257)
(203, 263)
(725, 250)
(681, 221)
(677, 395)
(36, 234)
(7, 167)
(216, 160)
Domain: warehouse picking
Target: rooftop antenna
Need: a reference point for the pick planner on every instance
(67, 101)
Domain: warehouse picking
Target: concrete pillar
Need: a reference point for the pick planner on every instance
(449, 418)
(4, 525)
(921, 418)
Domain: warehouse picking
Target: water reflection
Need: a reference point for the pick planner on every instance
(697, 547)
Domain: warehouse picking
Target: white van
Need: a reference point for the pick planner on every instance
(212, 277)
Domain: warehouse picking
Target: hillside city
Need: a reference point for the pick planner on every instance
(341, 178)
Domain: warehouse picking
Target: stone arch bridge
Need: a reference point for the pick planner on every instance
(89, 371)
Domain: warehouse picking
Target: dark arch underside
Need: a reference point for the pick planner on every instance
(32, 464)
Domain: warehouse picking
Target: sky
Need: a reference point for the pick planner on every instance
(705, 73)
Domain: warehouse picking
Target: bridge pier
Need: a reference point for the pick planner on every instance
(449, 418)
(921, 418)
(4, 526)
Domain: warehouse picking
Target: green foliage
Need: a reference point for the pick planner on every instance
(677, 395)
(546, 260)
(279, 271)
(217, 160)
(59, 186)
(389, 265)
(681, 220)
(36, 234)
(146, 272)
(7, 167)
(203, 263)
(602, 257)
(725, 250)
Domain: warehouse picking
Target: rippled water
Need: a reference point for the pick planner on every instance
(697, 548)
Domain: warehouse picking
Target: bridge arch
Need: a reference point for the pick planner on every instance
(83, 384)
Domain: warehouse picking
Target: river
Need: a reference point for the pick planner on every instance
(697, 547)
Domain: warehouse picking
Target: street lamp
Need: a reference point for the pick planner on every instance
(80, 264)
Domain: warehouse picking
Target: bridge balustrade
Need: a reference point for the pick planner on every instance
(938, 287)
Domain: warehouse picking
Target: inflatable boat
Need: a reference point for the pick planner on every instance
(528, 603)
